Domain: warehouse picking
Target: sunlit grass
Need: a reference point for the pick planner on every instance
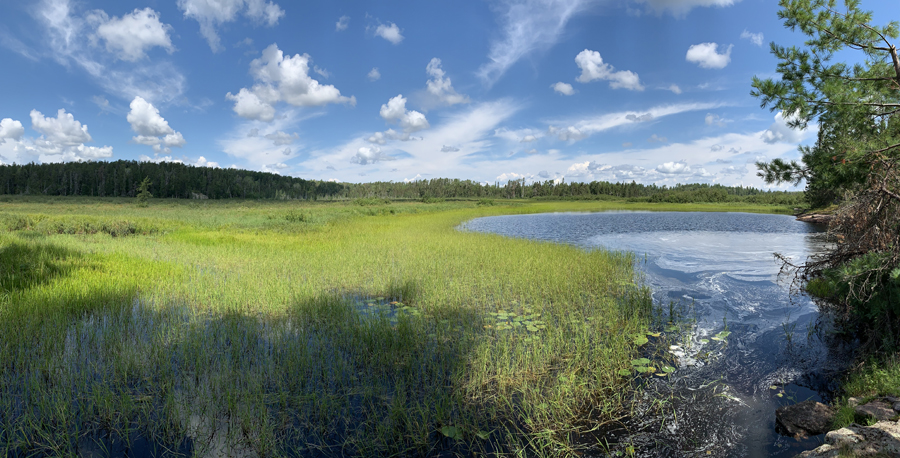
(277, 328)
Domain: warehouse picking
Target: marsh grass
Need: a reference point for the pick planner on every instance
(278, 329)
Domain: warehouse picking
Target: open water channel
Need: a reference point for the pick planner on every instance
(716, 272)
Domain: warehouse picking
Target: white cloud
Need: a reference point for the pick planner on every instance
(439, 87)
(563, 88)
(716, 148)
(151, 128)
(342, 23)
(410, 120)
(755, 38)
(62, 140)
(280, 138)
(582, 128)
(63, 130)
(130, 36)
(512, 176)
(369, 155)
(282, 78)
(70, 38)
(518, 136)
(321, 72)
(673, 168)
(210, 14)
(390, 33)
(374, 74)
(593, 68)
(657, 138)
(706, 55)
(527, 26)
(715, 120)
(779, 131)
(10, 129)
(449, 149)
(679, 8)
(674, 88)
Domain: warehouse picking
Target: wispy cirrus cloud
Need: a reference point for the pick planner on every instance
(527, 26)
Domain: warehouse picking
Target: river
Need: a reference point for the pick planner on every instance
(715, 272)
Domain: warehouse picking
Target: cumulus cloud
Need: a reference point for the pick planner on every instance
(563, 88)
(716, 148)
(254, 132)
(674, 88)
(390, 33)
(282, 78)
(151, 128)
(10, 129)
(779, 131)
(73, 38)
(593, 68)
(674, 168)
(369, 155)
(680, 8)
(342, 23)
(440, 87)
(527, 26)
(130, 36)
(410, 120)
(755, 38)
(210, 14)
(706, 55)
(374, 74)
(62, 139)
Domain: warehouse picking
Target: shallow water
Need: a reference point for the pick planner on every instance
(718, 272)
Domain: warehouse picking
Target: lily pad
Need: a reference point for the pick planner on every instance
(624, 372)
(640, 340)
(668, 369)
(640, 362)
(452, 432)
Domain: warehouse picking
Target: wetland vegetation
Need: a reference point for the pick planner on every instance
(303, 329)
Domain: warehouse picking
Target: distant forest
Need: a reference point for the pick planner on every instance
(176, 180)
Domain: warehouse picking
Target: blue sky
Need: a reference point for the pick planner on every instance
(655, 91)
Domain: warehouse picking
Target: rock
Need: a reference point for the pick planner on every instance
(896, 406)
(878, 409)
(852, 402)
(807, 418)
(880, 439)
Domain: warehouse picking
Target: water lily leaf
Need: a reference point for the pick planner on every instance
(780, 394)
(624, 372)
(668, 369)
(451, 431)
(661, 374)
(773, 387)
(643, 369)
(640, 340)
(653, 334)
(640, 362)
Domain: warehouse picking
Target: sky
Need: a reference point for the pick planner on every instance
(653, 91)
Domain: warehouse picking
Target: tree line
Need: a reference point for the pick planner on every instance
(176, 180)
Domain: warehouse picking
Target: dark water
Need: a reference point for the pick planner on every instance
(716, 272)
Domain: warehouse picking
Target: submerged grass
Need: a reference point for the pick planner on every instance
(285, 329)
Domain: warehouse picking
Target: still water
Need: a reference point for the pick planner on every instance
(717, 272)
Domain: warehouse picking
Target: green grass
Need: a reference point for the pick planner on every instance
(355, 328)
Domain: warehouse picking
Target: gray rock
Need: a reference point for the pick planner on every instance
(877, 409)
(880, 439)
(853, 402)
(897, 406)
(807, 418)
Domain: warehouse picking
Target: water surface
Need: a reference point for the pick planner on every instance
(717, 271)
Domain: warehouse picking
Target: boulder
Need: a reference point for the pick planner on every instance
(878, 409)
(807, 418)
